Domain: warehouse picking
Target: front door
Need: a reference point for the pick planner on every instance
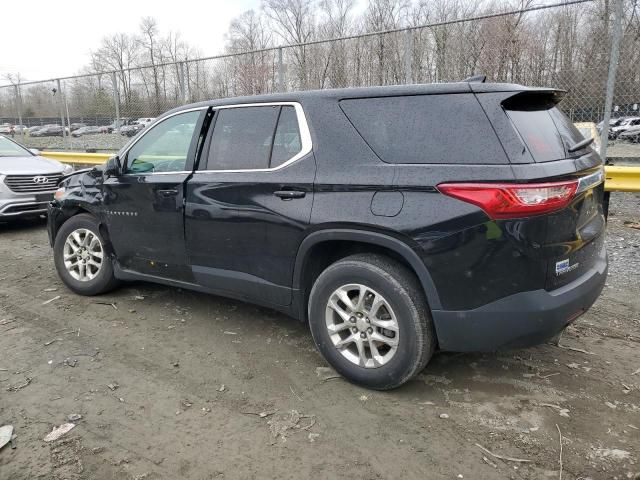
(249, 202)
(144, 206)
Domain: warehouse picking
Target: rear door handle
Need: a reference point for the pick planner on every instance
(168, 193)
(289, 194)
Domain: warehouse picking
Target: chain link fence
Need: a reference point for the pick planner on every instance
(565, 46)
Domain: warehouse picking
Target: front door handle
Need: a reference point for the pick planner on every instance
(289, 194)
(168, 193)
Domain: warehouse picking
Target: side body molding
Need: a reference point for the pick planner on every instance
(374, 238)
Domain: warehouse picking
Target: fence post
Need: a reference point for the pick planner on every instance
(614, 57)
(280, 71)
(116, 101)
(60, 103)
(183, 84)
(408, 50)
(18, 103)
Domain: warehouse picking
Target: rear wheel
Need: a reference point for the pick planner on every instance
(80, 257)
(369, 319)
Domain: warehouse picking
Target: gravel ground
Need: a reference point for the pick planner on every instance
(175, 384)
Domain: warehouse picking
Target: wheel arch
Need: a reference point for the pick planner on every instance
(67, 212)
(360, 239)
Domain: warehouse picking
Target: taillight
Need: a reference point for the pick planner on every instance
(513, 200)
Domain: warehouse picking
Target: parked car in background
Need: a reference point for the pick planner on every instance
(613, 122)
(131, 130)
(76, 126)
(623, 126)
(32, 130)
(145, 121)
(49, 131)
(589, 130)
(20, 129)
(27, 180)
(632, 134)
(6, 129)
(86, 131)
(359, 211)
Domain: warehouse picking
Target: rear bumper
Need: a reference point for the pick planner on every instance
(520, 320)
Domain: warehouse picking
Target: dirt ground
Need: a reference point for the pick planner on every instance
(175, 384)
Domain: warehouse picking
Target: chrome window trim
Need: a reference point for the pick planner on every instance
(148, 129)
(303, 126)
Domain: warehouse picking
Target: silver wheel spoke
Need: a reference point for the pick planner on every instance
(362, 357)
(346, 341)
(338, 327)
(343, 314)
(392, 342)
(362, 294)
(386, 324)
(342, 295)
(375, 355)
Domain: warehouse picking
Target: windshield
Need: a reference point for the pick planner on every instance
(12, 149)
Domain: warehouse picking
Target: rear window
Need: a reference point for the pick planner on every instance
(546, 132)
(449, 129)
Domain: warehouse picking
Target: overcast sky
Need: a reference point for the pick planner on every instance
(45, 39)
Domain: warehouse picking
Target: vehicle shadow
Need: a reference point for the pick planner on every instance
(23, 224)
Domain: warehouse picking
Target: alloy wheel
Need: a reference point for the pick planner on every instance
(83, 254)
(362, 325)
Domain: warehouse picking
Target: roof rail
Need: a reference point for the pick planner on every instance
(476, 79)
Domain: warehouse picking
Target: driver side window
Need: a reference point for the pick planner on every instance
(165, 147)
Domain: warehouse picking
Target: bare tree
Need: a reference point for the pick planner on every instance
(149, 43)
(294, 21)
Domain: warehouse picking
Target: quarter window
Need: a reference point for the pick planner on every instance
(165, 147)
(287, 142)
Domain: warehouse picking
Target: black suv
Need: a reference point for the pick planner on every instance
(394, 220)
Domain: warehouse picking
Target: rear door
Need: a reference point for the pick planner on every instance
(250, 200)
(539, 139)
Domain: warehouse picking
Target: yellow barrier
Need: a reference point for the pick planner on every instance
(78, 157)
(622, 179)
(617, 179)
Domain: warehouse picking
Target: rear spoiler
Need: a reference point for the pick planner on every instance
(539, 99)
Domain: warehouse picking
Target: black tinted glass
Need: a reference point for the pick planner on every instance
(287, 142)
(547, 132)
(426, 129)
(242, 138)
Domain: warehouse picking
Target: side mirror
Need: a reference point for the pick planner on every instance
(35, 151)
(113, 167)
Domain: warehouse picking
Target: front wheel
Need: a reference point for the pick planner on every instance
(369, 319)
(80, 257)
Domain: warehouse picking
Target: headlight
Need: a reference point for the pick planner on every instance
(59, 193)
(67, 170)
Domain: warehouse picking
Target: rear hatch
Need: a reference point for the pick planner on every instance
(544, 146)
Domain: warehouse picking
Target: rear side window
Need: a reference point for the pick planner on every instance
(242, 138)
(547, 132)
(260, 137)
(449, 129)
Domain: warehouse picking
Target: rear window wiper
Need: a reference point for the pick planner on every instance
(580, 145)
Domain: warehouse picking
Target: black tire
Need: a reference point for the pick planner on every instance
(400, 287)
(104, 281)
